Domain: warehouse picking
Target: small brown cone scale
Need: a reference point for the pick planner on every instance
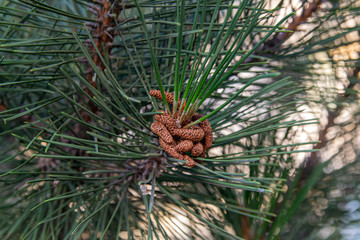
(177, 141)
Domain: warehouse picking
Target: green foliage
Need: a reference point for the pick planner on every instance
(80, 160)
(318, 59)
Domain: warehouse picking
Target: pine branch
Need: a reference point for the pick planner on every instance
(88, 158)
(279, 39)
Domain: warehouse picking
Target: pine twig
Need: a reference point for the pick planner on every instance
(275, 43)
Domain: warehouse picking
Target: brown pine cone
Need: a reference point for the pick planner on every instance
(184, 146)
(196, 116)
(170, 150)
(197, 150)
(205, 125)
(175, 154)
(208, 141)
(190, 161)
(160, 130)
(157, 94)
(175, 140)
(195, 134)
(167, 121)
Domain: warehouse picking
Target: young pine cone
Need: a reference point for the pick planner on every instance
(160, 130)
(167, 121)
(205, 125)
(175, 154)
(197, 150)
(184, 146)
(157, 94)
(195, 134)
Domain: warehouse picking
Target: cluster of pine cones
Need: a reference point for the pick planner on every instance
(178, 141)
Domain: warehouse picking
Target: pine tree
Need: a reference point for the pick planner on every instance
(158, 119)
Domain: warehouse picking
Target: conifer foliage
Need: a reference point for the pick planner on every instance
(144, 119)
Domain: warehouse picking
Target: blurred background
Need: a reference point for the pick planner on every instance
(323, 54)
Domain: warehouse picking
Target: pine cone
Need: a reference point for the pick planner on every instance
(175, 154)
(160, 130)
(190, 161)
(175, 140)
(196, 116)
(167, 121)
(157, 94)
(184, 146)
(205, 125)
(170, 150)
(197, 150)
(195, 134)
